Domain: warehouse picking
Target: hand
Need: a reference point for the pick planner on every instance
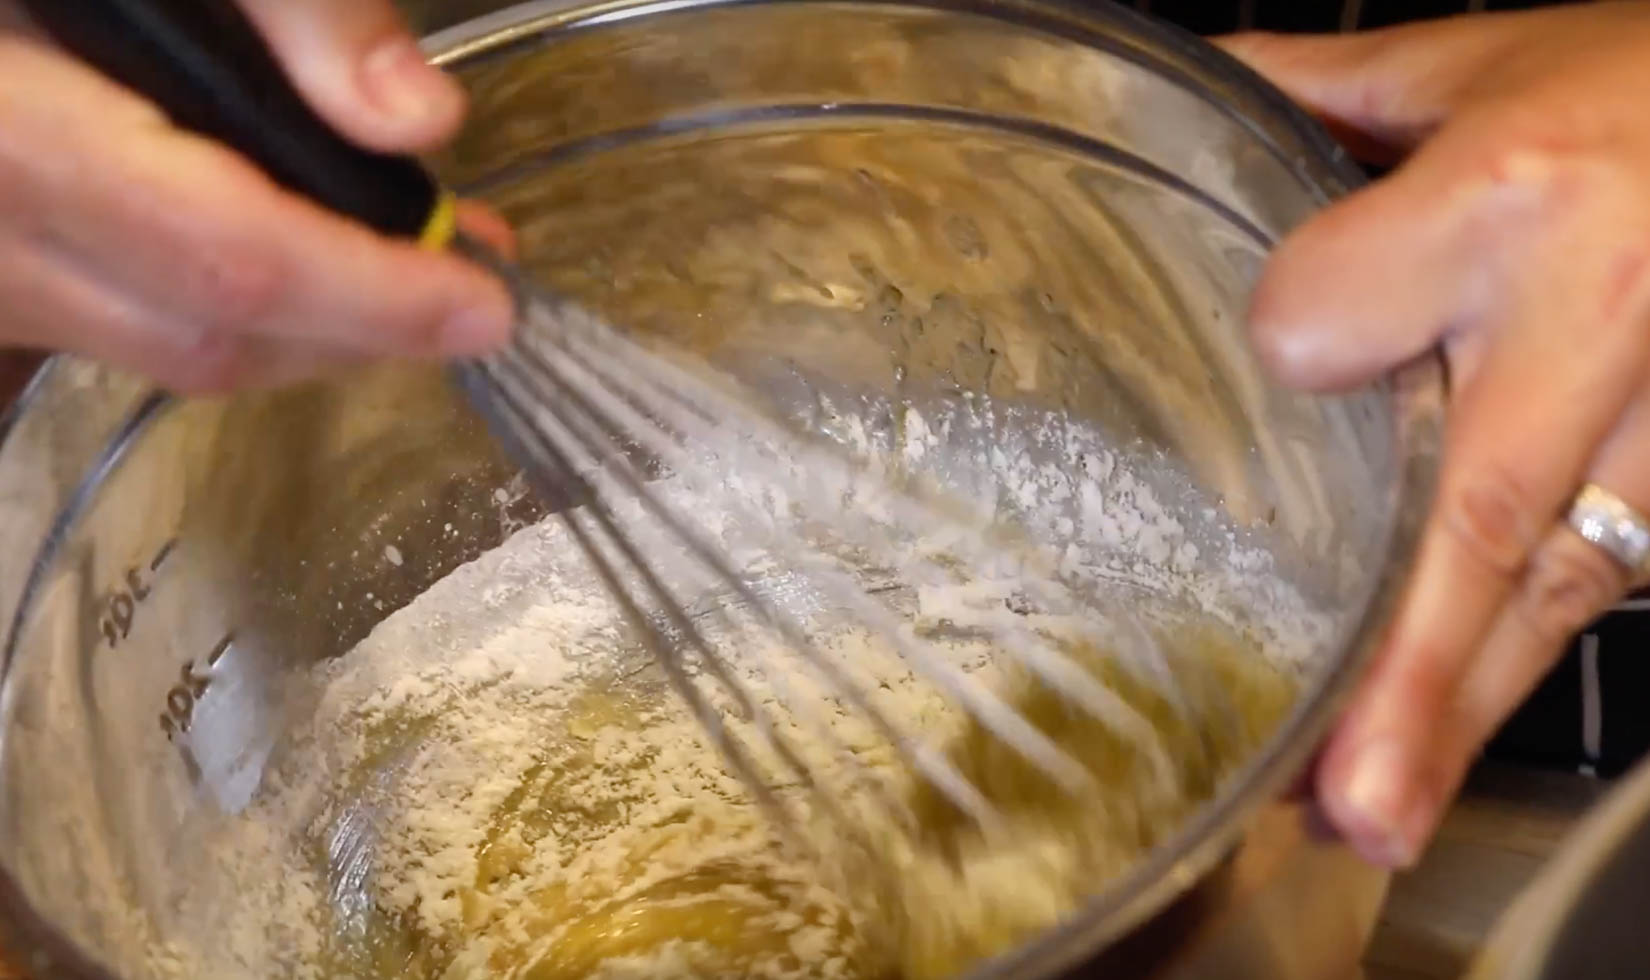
(1515, 233)
(126, 239)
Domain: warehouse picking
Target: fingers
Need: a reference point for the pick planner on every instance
(489, 227)
(1570, 583)
(1394, 86)
(51, 305)
(50, 290)
(358, 64)
(1380, 277)
(197, 240)
(1514, 238)
(1317, 327)
(236, 253)
(1524, 428)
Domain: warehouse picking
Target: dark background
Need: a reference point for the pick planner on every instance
(1221, 16)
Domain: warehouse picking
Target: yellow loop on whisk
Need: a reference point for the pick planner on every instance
(442, 227)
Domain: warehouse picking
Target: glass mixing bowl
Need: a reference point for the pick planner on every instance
(1057, 212)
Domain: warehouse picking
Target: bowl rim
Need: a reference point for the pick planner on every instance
(1417, 392)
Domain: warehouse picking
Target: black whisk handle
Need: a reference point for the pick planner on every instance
(206, 66)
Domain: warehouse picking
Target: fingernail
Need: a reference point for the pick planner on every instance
(403, 84)
(476, 330)
(1379, 799)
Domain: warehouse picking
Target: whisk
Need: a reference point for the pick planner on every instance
(599, 421)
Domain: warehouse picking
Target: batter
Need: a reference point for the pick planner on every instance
(500, 785)
(499, 781)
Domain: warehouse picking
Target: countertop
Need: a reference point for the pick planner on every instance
(1503, 827)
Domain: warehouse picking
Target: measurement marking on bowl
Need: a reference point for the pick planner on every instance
(192, 685)
(121, 606)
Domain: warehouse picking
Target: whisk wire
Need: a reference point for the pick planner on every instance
(557, 428)
(553, 461)
(596, 417)
(1047, 663)
(976, 697)
(927, 761)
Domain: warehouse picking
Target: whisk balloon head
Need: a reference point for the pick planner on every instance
(777, 581)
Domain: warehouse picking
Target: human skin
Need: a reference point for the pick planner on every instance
(1514, 234)
(129, 240)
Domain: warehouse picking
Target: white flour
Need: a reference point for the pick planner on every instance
(497, 782)
(502, 670)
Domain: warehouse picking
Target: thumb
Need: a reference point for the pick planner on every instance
(1387, 89)
(361, 68)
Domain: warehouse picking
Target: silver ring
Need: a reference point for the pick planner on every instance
(1614, 526)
